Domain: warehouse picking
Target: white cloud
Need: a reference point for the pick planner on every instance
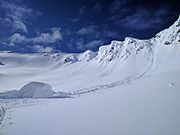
(16, 38)
(39, 48)
(44, 38)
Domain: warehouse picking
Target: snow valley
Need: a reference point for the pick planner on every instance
(129, 87)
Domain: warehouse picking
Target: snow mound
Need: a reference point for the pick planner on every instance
(30, 90)
(35, 90)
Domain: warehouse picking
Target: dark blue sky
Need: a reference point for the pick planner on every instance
(78, 25)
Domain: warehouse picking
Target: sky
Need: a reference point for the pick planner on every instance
(74, 26)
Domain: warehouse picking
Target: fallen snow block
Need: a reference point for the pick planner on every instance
(35, 90)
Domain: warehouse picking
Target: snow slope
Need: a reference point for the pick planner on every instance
(148, 106)
(142, 77)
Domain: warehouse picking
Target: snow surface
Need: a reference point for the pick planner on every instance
(148, 107)
(142, 77)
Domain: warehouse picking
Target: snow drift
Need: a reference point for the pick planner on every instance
(35, 90)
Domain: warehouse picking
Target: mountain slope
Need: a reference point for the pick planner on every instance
(112, 64)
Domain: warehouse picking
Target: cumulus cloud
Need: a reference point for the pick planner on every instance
(16, 38)
(39, 48)
(44, 38)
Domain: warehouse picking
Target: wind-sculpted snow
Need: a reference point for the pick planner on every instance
(122, 50)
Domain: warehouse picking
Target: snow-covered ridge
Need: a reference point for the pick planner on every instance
(123, 50)
(168, 36)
